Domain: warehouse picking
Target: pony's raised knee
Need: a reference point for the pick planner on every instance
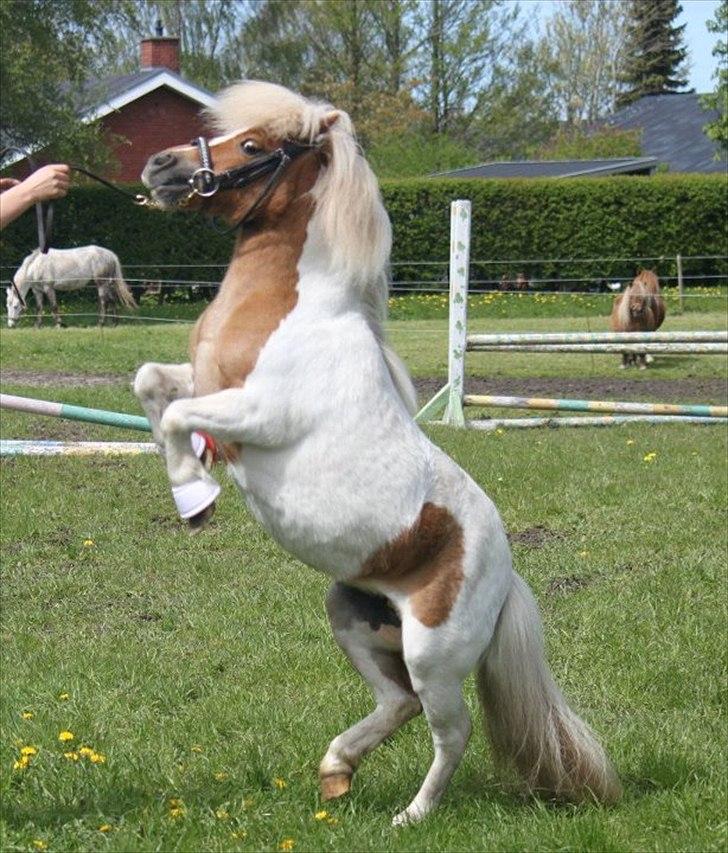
(146, 381)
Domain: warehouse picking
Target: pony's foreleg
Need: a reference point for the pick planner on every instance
(38, 296)
(50, 295)
(157, 385)
(233, 416)
(101, 295)
(368, 630)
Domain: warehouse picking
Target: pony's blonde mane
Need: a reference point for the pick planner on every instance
(348, 204)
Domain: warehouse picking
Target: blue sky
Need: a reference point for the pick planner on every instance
(699, 41)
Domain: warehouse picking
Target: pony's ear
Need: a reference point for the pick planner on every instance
(329, 120)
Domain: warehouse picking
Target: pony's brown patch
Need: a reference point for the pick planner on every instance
(258, 292)
(426, 562)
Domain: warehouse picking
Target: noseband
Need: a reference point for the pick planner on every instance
(205, 181)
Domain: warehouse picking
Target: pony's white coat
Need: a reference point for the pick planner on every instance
(335, 469)
(68, 269)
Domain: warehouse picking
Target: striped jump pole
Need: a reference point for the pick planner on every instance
(715, 337)
(677, 348)
(75, 448)
(548, 403)
(585, 421)
(73, 413)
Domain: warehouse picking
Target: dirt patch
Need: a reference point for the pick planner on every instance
(535, 537)
(688, 390)
(565, 585)
(61, 379)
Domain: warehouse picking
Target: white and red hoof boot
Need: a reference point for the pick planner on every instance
(194, 497)
(204, 448)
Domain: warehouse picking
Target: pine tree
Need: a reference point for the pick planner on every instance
(655, 56)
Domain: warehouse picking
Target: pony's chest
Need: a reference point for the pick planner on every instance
(231, 335)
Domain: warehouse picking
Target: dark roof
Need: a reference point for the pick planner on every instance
(95, 94)
(553, 168)
(672, 131)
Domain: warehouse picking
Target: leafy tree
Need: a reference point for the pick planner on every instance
(207, 31)
(718, 100)
(583, 52)
(580, 143)
(655, 60)
(48, 53)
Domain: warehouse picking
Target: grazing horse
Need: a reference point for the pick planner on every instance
(640, 308)
(67, 269)
(290, 376)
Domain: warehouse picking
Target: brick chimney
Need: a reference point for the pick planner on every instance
(160, 51)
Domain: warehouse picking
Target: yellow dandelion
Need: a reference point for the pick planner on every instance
(97, 758)
(71, 756)
(287, 844)
(196, 748)
(21, 763)
(65, 736)
(64, 697)
(280, 783)
(221, 776)
(221, 814)
(240, 834)
(86, 751)
(29, 750)
(39, 844)
(583, 553)
(88, 543)
(105, 827)
(499, 431)
(630, 441)
(27, 715)
(176, 813)
(649, 457)
(322, 815)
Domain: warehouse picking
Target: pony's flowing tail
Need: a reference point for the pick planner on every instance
(528, 721)
(121, 288)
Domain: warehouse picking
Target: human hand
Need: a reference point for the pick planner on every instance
(6, 183)
(48, 182)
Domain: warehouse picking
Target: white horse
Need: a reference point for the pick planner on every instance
(67, 269)
(291, 378)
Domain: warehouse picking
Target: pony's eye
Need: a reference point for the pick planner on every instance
(249, 147)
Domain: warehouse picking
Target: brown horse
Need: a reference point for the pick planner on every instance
(640, 308)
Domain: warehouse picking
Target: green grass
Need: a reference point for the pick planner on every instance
(203, 668)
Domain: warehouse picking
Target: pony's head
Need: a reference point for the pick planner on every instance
(274, 147)
(14, 304)
(638, 299)
(15, 294)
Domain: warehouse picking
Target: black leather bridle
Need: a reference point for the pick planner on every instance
(205, 181)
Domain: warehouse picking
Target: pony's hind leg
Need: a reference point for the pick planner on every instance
(368, 630)
(437, 672)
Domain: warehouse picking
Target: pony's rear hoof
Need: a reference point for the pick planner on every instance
(199, 522)
(335, 786)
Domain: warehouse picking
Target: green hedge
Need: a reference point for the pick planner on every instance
(616, 217)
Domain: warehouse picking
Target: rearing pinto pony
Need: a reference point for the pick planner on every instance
(291, 377)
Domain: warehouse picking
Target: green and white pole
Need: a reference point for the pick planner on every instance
(73, 413)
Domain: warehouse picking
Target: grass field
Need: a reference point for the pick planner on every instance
(200, 676)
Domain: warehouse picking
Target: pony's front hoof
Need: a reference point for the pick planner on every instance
(335, 785)
(194, 497)
(199, 522)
